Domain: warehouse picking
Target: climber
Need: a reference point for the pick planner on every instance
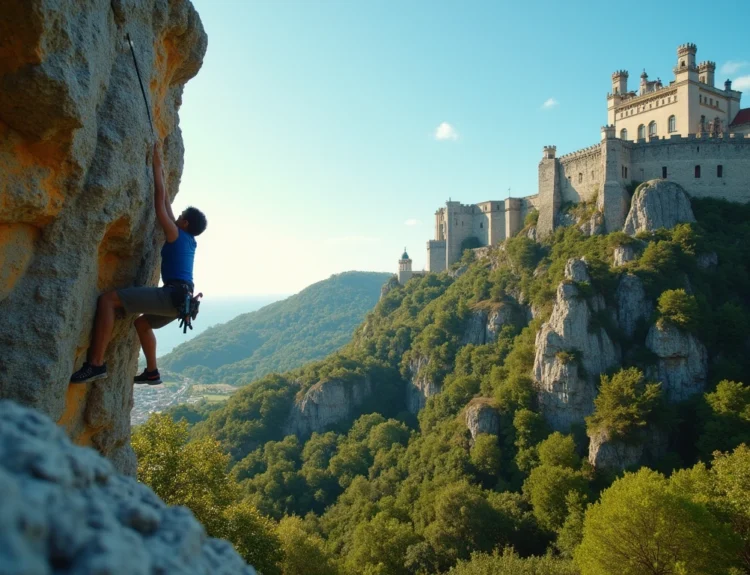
(159, 306)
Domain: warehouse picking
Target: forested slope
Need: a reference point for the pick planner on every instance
(283, 335)
(481, 428)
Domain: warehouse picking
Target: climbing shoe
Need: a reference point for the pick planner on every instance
(149, 377)
(89, 372)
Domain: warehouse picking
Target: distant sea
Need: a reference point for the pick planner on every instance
(213, 311)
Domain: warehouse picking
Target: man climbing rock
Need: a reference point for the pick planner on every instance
(159, 306)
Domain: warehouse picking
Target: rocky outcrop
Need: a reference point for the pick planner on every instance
(593, 225)
(65, 510)
(623, 254)
(326, 403)
(481, 417)
(682, 364)
(708, 261)
(658, 204)
(484, 325)
(616, 455)
(76, 193)
(632, 304)
(571, 352)
(420, 386)
(531, 233)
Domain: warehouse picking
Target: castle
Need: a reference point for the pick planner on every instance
(688, 131)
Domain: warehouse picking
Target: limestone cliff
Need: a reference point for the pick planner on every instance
(682, 364)
(76, 193)
(326, 403)
(420, 386)
(482, 417)
(65, 510)
(658, 204)
(571, 352)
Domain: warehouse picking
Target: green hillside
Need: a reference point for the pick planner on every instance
(281, 336)
(387, 492)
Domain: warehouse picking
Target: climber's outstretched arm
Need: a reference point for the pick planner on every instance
(163, 210)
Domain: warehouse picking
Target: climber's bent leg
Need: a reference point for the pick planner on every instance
(104, 323)
(148, 341)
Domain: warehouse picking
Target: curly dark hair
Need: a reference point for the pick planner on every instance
(196, 221)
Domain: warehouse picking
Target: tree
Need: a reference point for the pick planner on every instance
(560, 450)
(547, 488)
(485, 454)
(254, 537)
(640, 526)
(726, 418)
(510, 563)
(624, 405)
(379, 546)
(679, 308)
(304, 553)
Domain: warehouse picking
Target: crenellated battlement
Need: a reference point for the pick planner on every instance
(620, 73)
(591, 150)
(741, 139)
(687, 48)
(707, 65)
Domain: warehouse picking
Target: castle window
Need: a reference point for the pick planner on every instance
(697, 171)
(652, 129)
(641, 132)
(481, 225)
(580, 177)
(672, 125)
(623, 134)
(625, 172)
(719, 171)
(664, 172)
(592, 174)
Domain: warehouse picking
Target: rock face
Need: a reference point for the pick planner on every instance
(682, 366)
(605, 453)
(570, 354)
(481, 417)
(623, 255)
(484, 325)
(658, 204)
(76, 193)
(632, 304)
(65, 510)
(325, 403)
(419, 386)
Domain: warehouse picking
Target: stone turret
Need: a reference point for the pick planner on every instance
(620, 82)
(706, 72)
(404, 268)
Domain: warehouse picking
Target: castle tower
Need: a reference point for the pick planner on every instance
(404, 268)
(686, 57)
(549, 192)
(620, 82)
(706, 72)
(644, 82)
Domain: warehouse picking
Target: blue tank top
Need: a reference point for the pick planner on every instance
(177, 258)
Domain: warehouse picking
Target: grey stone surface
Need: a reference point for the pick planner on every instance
(566, 388)
(77, 192)
(65, 510)
(658, 204)
(419, 387)
(481, 417)
(632, 304)
(326, 403)
(708, 261)
(682, 366)
(623, 254)
(605, 453)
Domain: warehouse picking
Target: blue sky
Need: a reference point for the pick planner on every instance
(310, 131)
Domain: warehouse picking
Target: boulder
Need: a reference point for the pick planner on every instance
(593, 225)
(632, 304)
(326, 403)
(531, 233)
(65, 510)
(708, 261)
(475, 331)
(484, 325)
(624, 254)
(616, 455)
(658, 204)
(481, 417)
(76, 191)
(419, 387)
(682, 364)
(570, 355)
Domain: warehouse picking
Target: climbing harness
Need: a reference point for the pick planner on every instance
(140, 81)
(186, 303)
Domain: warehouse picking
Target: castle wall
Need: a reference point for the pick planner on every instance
(549, 198)
(581, 176)
(513, 219)
(681, 155)
(460, 226)
(436, 262)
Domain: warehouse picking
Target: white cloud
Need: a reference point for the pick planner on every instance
(352, 240)
(549, 103)
(732, 67)
(412, 222)
(742, 84)
(445, 132)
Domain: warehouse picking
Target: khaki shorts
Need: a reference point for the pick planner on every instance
(154, 303)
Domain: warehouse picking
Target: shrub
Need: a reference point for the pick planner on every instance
(679, 308)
